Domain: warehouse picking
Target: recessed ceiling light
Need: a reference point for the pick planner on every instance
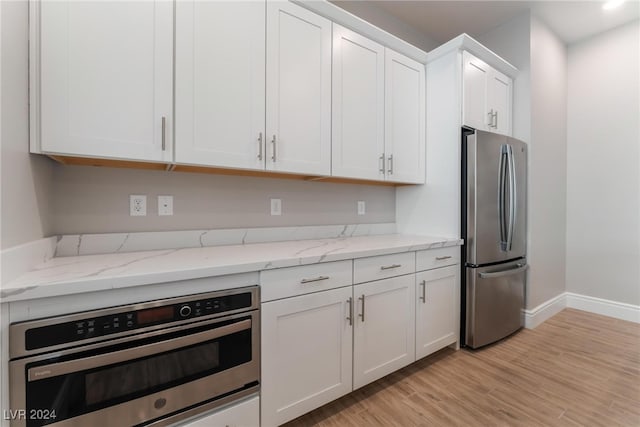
(612, 4)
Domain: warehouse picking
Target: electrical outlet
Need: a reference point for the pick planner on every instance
(361, 207)
(165, 205)
(137, 205)
(276, 207)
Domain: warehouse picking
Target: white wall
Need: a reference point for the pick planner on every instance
(547, 166)
(603, 178)
(89, 199)
(368, 11)
(539, 120)
(25, 179)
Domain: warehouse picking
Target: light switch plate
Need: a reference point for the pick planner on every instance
(361, 207)
(276, 207)
(165, 205)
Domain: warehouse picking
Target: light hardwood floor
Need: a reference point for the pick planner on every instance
(575, 369)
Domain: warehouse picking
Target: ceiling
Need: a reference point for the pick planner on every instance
(570, 20)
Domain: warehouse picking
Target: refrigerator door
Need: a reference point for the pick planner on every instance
(495, 300)
(496, 191)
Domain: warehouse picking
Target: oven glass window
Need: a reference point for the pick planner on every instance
(96, 388)
(110, 383)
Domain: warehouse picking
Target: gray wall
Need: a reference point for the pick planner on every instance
(540, 97)
(368, 11)
(25, 178)
(603, 204)
(96, 200)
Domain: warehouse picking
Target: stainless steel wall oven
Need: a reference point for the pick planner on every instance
(152, 363)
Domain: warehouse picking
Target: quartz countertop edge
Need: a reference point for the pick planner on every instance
(88, 273)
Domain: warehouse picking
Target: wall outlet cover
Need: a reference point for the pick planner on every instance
(361, 207)
(165, 205)
(137, 205)
(276, 207)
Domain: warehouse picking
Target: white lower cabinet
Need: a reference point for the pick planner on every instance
(437, 309)
(384, 331)
(242, 414)
(306, 353)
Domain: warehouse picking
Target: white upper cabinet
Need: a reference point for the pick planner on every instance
(104, 79)
(220, 83)
(487, 93)
(298, 90)
(357, 106)
(404, 119)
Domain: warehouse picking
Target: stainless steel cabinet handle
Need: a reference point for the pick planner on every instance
(164, 133)
(390, 165)
(423, 298)
(273, 147)
(389, 267)
(496, 116)
(381, 160)
(362, 312)
(317, 279)
(350, 318)
(440, 258)
(260, 146)
(490, 113)
(519, 269)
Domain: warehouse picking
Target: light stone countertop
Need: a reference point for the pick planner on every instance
(78, 274)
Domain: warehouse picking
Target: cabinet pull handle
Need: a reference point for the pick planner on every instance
(273, 147)
(316, 279)
(490, 113)
(362, 313)
(260, 146)
(390, 164)
(389, 267)
(496, 116)
(381, 160)
(350, 318)
(423, 298)
(164, 133)
(440, 258)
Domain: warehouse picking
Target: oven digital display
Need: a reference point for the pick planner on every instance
(153, 315)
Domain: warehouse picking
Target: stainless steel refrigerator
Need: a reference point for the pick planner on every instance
(494, 194)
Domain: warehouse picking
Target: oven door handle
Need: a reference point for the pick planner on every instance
(61, 368)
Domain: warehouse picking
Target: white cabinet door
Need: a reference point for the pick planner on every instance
(499, 89)
(404, 118)
(357, 106)
(243, 414)
(220, 83)
(106, 78)
(475, 111)
(437, 309)
(306, 354)
(298, 90)
(384, 331)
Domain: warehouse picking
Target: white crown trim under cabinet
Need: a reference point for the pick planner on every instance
(298, 90)
(102, 79)
(220, 83)
(486, 96)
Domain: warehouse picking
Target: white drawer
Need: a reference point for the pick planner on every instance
(245, 413)
(381, 267)
(291, 281)
(434, 258)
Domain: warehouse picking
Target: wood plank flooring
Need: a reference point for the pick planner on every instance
(576, 369)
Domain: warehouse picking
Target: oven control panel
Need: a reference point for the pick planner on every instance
(118, 321)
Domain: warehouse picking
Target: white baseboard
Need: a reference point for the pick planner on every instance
(548, 309)
(619, 310)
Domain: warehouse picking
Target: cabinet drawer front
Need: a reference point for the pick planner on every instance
(434, 258)
(288, 282)
(381, 267)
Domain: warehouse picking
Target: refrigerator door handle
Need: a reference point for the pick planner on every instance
(519, 269)
(513, 195)
(502, 190)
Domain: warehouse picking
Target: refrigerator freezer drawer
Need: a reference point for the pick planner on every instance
(495, 300)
